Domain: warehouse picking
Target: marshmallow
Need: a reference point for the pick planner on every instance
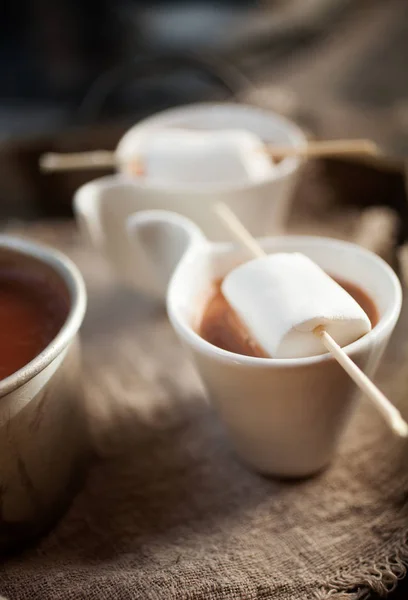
(282, 298)
(191, 156)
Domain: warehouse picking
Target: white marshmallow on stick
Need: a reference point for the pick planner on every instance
(295, 316)
(101, 159)
(197, 156)
(283, 297)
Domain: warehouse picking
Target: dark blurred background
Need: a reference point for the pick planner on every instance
(75, 73)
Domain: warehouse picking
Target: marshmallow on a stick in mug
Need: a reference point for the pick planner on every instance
(163, 151)
(294, 309)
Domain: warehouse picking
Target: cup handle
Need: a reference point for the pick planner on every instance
(86, 211)
(165, 238)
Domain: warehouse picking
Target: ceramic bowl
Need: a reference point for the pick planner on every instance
(43, 434)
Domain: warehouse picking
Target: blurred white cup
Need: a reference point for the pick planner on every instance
(103, 205)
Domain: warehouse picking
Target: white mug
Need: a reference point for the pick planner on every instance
(284, 416)
(44, 442)
(101, 206)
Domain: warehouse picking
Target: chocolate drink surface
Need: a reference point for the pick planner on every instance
(32, 311)
(222, 327)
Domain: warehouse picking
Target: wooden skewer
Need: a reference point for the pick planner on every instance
(390, 414)
(325, 148)
(383, 405)
(102, 159)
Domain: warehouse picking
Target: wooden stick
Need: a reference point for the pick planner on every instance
(240, 232)
(383, 405)
(102, 159)
(99, 159)
(325, 148)
(390, 414)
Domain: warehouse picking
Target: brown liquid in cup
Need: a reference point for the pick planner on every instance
(221, 326)
(33, 309)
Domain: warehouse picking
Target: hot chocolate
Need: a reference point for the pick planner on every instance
(33, 309)
(222, 327)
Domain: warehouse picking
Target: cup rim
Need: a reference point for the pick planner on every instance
(282, 169)
(384, 325)
(71, 276)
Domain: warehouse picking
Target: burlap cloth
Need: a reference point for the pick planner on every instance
(168, 512)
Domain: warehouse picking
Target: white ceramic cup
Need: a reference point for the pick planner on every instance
(101, 206)
(284, 416)
(44, 444)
